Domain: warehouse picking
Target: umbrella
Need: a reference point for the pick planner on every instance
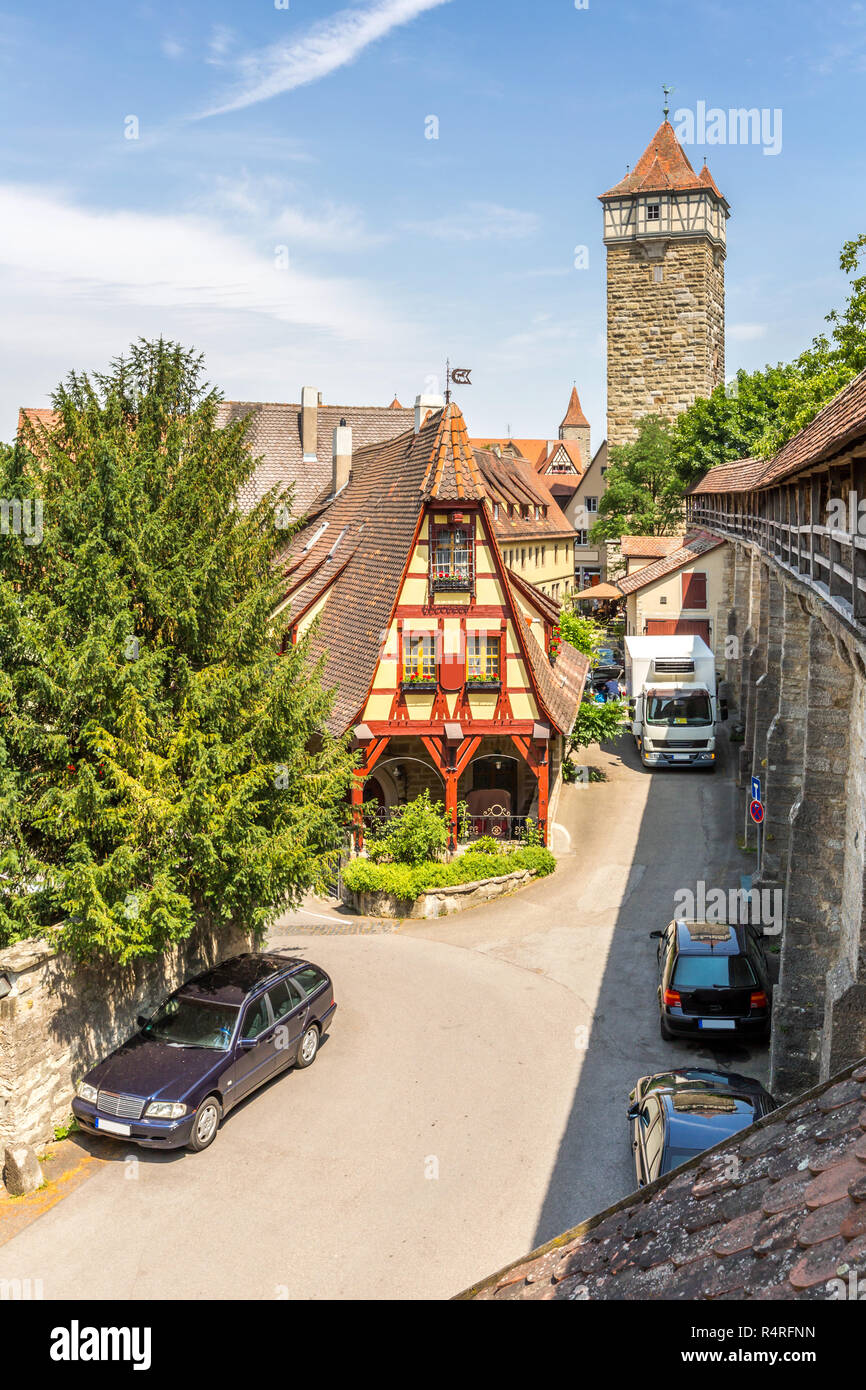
(599, 591)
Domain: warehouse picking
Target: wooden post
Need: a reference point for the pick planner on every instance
(358, 808)
(543, 774)
(450, 775)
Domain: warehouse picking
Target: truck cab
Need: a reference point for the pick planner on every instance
(671, 686)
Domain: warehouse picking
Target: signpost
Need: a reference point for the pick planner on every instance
(756, 811)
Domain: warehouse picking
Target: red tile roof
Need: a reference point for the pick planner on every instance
(736, 476)
(275, 440)
(353, 551)
(550, 450)
(653, 546)
(574, 415)
(693, 546)
(777, 1212)
(663, 166)
(513, 482)
(526, 448)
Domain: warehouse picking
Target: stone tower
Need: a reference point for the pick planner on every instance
(664, 229)
(576, 426)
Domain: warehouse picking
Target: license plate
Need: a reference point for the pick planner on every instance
(680, 757)
(715, 1023)
(111, 1126)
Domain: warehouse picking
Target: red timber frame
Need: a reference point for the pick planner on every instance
(451, 758)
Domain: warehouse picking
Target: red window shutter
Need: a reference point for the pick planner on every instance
(694, 590)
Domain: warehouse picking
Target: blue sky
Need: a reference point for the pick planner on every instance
(282, 209)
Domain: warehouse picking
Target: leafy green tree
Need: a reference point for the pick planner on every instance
(644, 491)
(161, 763)
(758, 412)
(597, 723)
(581, 632)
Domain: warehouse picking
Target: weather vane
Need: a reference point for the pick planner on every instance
(458, 376)
(667, 106)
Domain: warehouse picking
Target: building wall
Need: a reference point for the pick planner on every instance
(548, 564)
(663, 599)
(665, 341)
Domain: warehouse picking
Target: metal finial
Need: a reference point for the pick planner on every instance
(667, 106)
(447, 381)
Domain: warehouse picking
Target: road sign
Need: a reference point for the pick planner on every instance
(756, 811)
(756, 789)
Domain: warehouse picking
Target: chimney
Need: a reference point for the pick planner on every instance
(342, 467)
(425, 403)
(310, 423)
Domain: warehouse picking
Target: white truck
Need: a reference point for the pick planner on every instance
(671, 689)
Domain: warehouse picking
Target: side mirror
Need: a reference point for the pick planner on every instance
(631, 707)
(656, 935)
(723, 710)
(633, 1112)
(142, 1021)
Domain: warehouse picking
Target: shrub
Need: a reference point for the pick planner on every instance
(487, 844)
(415, 834)
(406, 881)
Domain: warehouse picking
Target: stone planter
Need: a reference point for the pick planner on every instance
(436, 902)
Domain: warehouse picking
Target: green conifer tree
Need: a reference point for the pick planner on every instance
(162, 763)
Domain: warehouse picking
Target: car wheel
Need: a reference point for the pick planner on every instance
(205, 1125)
(309, 1047)
(665, 1030)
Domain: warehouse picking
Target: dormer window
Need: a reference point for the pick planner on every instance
(653, 212)
(451, 558)
(495, 511)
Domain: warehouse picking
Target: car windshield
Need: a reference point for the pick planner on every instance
(713, 972)
(605, 655)
(184, 1021)
(674, 709)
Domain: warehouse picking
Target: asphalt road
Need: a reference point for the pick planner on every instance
(467, 1105)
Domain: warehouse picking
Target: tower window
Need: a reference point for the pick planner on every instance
(653, 212)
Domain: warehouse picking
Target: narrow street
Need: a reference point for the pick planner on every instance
(468, 1104)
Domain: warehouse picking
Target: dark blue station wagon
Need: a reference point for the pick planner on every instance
(209, 1046)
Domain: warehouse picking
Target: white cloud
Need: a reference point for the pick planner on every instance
(171, 48)
(277, 205)
(330, 45)
(76, 280)
(479, 222)
(745, 332)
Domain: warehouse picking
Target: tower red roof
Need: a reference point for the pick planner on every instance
(574, 415)
(663, 166)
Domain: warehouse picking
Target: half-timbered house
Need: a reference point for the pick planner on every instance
(448, 667)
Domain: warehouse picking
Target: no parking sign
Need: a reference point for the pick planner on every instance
(756, 811)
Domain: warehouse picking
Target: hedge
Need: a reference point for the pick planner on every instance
(406, 881)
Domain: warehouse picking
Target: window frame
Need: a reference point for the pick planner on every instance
(487, 672)
(461, 576)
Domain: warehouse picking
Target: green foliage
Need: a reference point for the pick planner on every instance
(414, 834)
(760, 411)
(406, 882)
(161, 764)
(487, 844)
(598, 723)
(582, 633)
(644, 492)
(531, 834)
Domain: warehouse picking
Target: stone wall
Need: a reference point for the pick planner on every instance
(437, 902)
(59, 1018)
(802, 692)
(665, 340)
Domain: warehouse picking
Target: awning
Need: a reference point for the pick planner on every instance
(600, 591)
